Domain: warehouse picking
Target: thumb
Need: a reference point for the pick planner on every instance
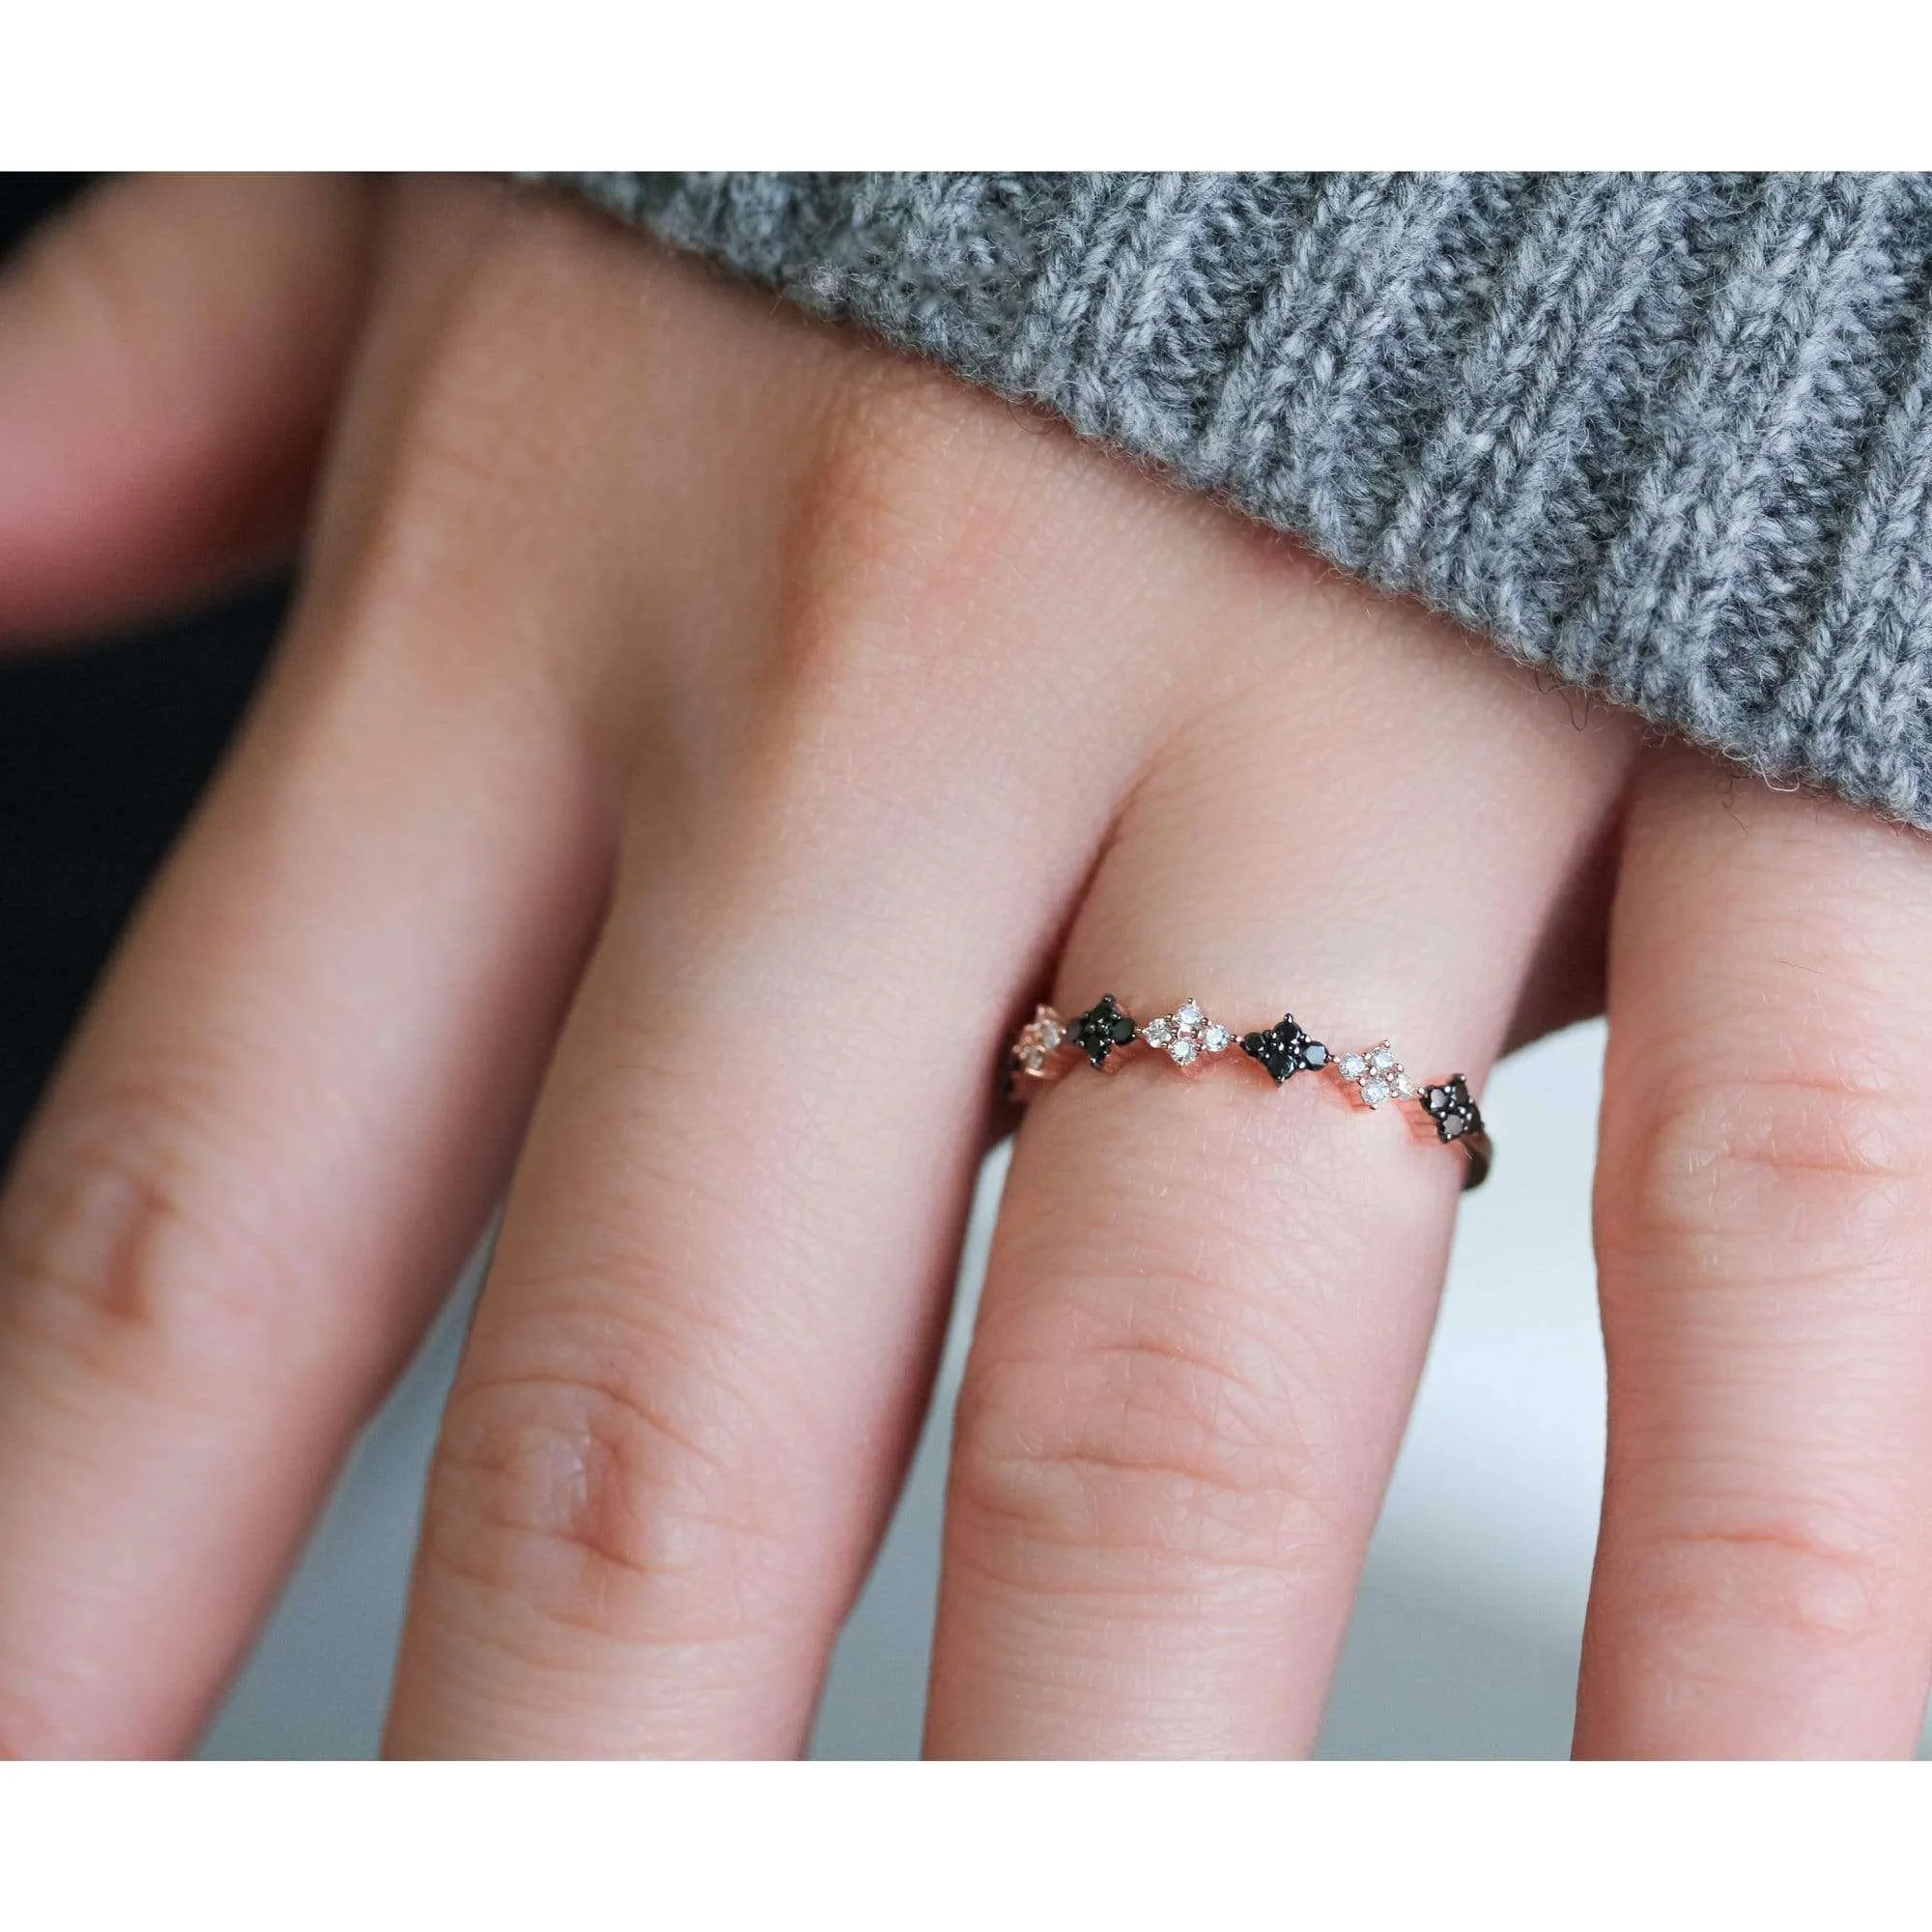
(169, 354)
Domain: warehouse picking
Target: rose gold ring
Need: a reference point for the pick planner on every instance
(1048, 1047)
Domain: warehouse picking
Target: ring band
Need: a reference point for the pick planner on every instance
(1049, 1046)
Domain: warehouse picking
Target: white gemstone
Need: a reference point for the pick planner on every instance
(1353, 1066)
(1405, 1087)
(1381, 1060)
(1183, 1051)
(1051, 1033)
(1375, 1092)
(1188, 1019)
(1157, 1033)
(1214, 1038)
(1034, 1060)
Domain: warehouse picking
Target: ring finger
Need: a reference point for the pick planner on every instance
(1209, 1298)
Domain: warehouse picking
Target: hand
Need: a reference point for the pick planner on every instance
(701, 737)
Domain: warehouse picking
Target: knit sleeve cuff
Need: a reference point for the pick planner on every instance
(1666, 436)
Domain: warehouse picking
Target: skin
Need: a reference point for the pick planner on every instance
(701, 737)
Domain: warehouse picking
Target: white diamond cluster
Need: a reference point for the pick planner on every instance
(1039, 1041)
(1375, 1074)
(1187, 1033)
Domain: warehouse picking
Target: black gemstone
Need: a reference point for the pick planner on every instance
(1451, 1108)
(1284, 1049)
(1099, 1030)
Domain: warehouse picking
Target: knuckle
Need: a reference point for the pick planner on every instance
(1774, 1172)
(113, 1251)
(1808, 1577)
(1167, 1438)
(587, 1497)
(906, 507)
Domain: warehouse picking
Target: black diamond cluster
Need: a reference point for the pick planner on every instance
(1285, 1049)
(1101, 1029)
(1452, 1110)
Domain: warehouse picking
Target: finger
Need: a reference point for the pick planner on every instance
(1764, 1228)
(1209, 1298)
(274, 1144)
(702, 1352)
(169, 352)
(286, 1118)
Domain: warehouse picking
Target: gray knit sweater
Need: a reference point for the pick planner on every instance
(1669, 436)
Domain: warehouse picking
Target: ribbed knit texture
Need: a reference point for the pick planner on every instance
(1671, 436)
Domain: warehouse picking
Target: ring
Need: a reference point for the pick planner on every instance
(1049, 1046)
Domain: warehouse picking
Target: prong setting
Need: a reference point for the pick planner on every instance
(1103, 1027)
(1187, 1034)
(1375, 1074)
(1449, 1105)
(1040, 1039)
(1284, 1050)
